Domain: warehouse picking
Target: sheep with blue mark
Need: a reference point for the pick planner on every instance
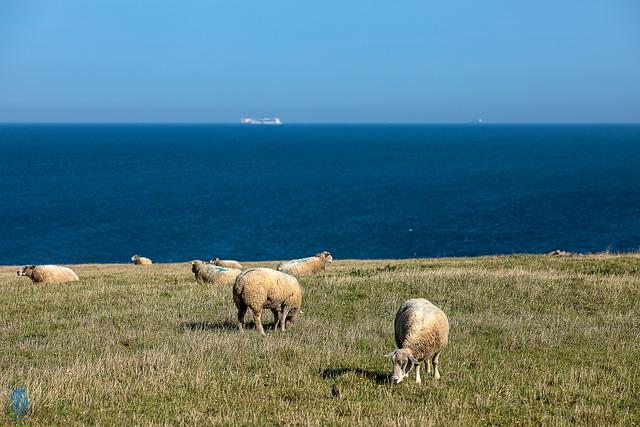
(214, 274)
(310, 265)
(260, 288)
(421, 333)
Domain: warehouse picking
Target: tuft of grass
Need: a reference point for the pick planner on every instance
(534, 340)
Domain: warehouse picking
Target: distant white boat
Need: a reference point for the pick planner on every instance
(262, 121)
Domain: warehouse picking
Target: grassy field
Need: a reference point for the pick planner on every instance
(534, 340)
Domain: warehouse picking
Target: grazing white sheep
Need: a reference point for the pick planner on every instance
(226, 263)
(310, 265)
(140, 260)
(260, 288)
(48, 273)
(208, 273)
(421, 332)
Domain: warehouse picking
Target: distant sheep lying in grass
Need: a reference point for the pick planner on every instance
(214, 274)
(140, 260)
(48, 273)
(226, 263)
(260, 288)
(421, 332)
(314, 264)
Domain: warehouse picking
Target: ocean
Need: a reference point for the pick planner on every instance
(101, 193)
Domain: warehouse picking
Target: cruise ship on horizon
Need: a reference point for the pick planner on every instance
(262, 121)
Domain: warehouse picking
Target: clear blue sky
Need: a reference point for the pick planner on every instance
(503, 61)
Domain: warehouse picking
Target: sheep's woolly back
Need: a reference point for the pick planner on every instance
(421, 328)
(226, 263)
(310, 265)
(48, 274)
(260, 288)
(267, 288)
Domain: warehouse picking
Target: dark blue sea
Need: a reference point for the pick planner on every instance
(95, 193)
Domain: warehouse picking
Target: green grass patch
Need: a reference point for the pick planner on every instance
(534, 340)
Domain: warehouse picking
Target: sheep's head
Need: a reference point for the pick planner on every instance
(325, 255)
(135, 257)
(291, 317)
(26, 270)
(195, 265)
(402, 361)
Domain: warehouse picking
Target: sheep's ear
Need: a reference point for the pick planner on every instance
(414, 361)
(389, 354)
(33, 266)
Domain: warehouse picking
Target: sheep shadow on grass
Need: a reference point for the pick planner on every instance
(206, 326)
(332, 373)
(227, 325)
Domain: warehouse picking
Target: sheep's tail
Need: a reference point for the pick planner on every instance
(238, 286)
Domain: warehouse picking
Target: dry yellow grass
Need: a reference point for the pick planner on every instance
(535, 340)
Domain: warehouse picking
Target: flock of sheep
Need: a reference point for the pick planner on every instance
(421, 328)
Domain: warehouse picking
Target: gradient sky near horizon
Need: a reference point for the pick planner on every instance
(501, 61)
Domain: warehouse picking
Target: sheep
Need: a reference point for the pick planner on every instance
(48, 273)
(140, 260)
(421, 332)
(260, 288)
(207, 273)
(310, 265)
(226, 263)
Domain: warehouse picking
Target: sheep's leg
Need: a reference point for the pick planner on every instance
(428, 363)
(257, 318)
(435, 366)
(285, 313)
(275, 318)
(418, 379)
(242, 310)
